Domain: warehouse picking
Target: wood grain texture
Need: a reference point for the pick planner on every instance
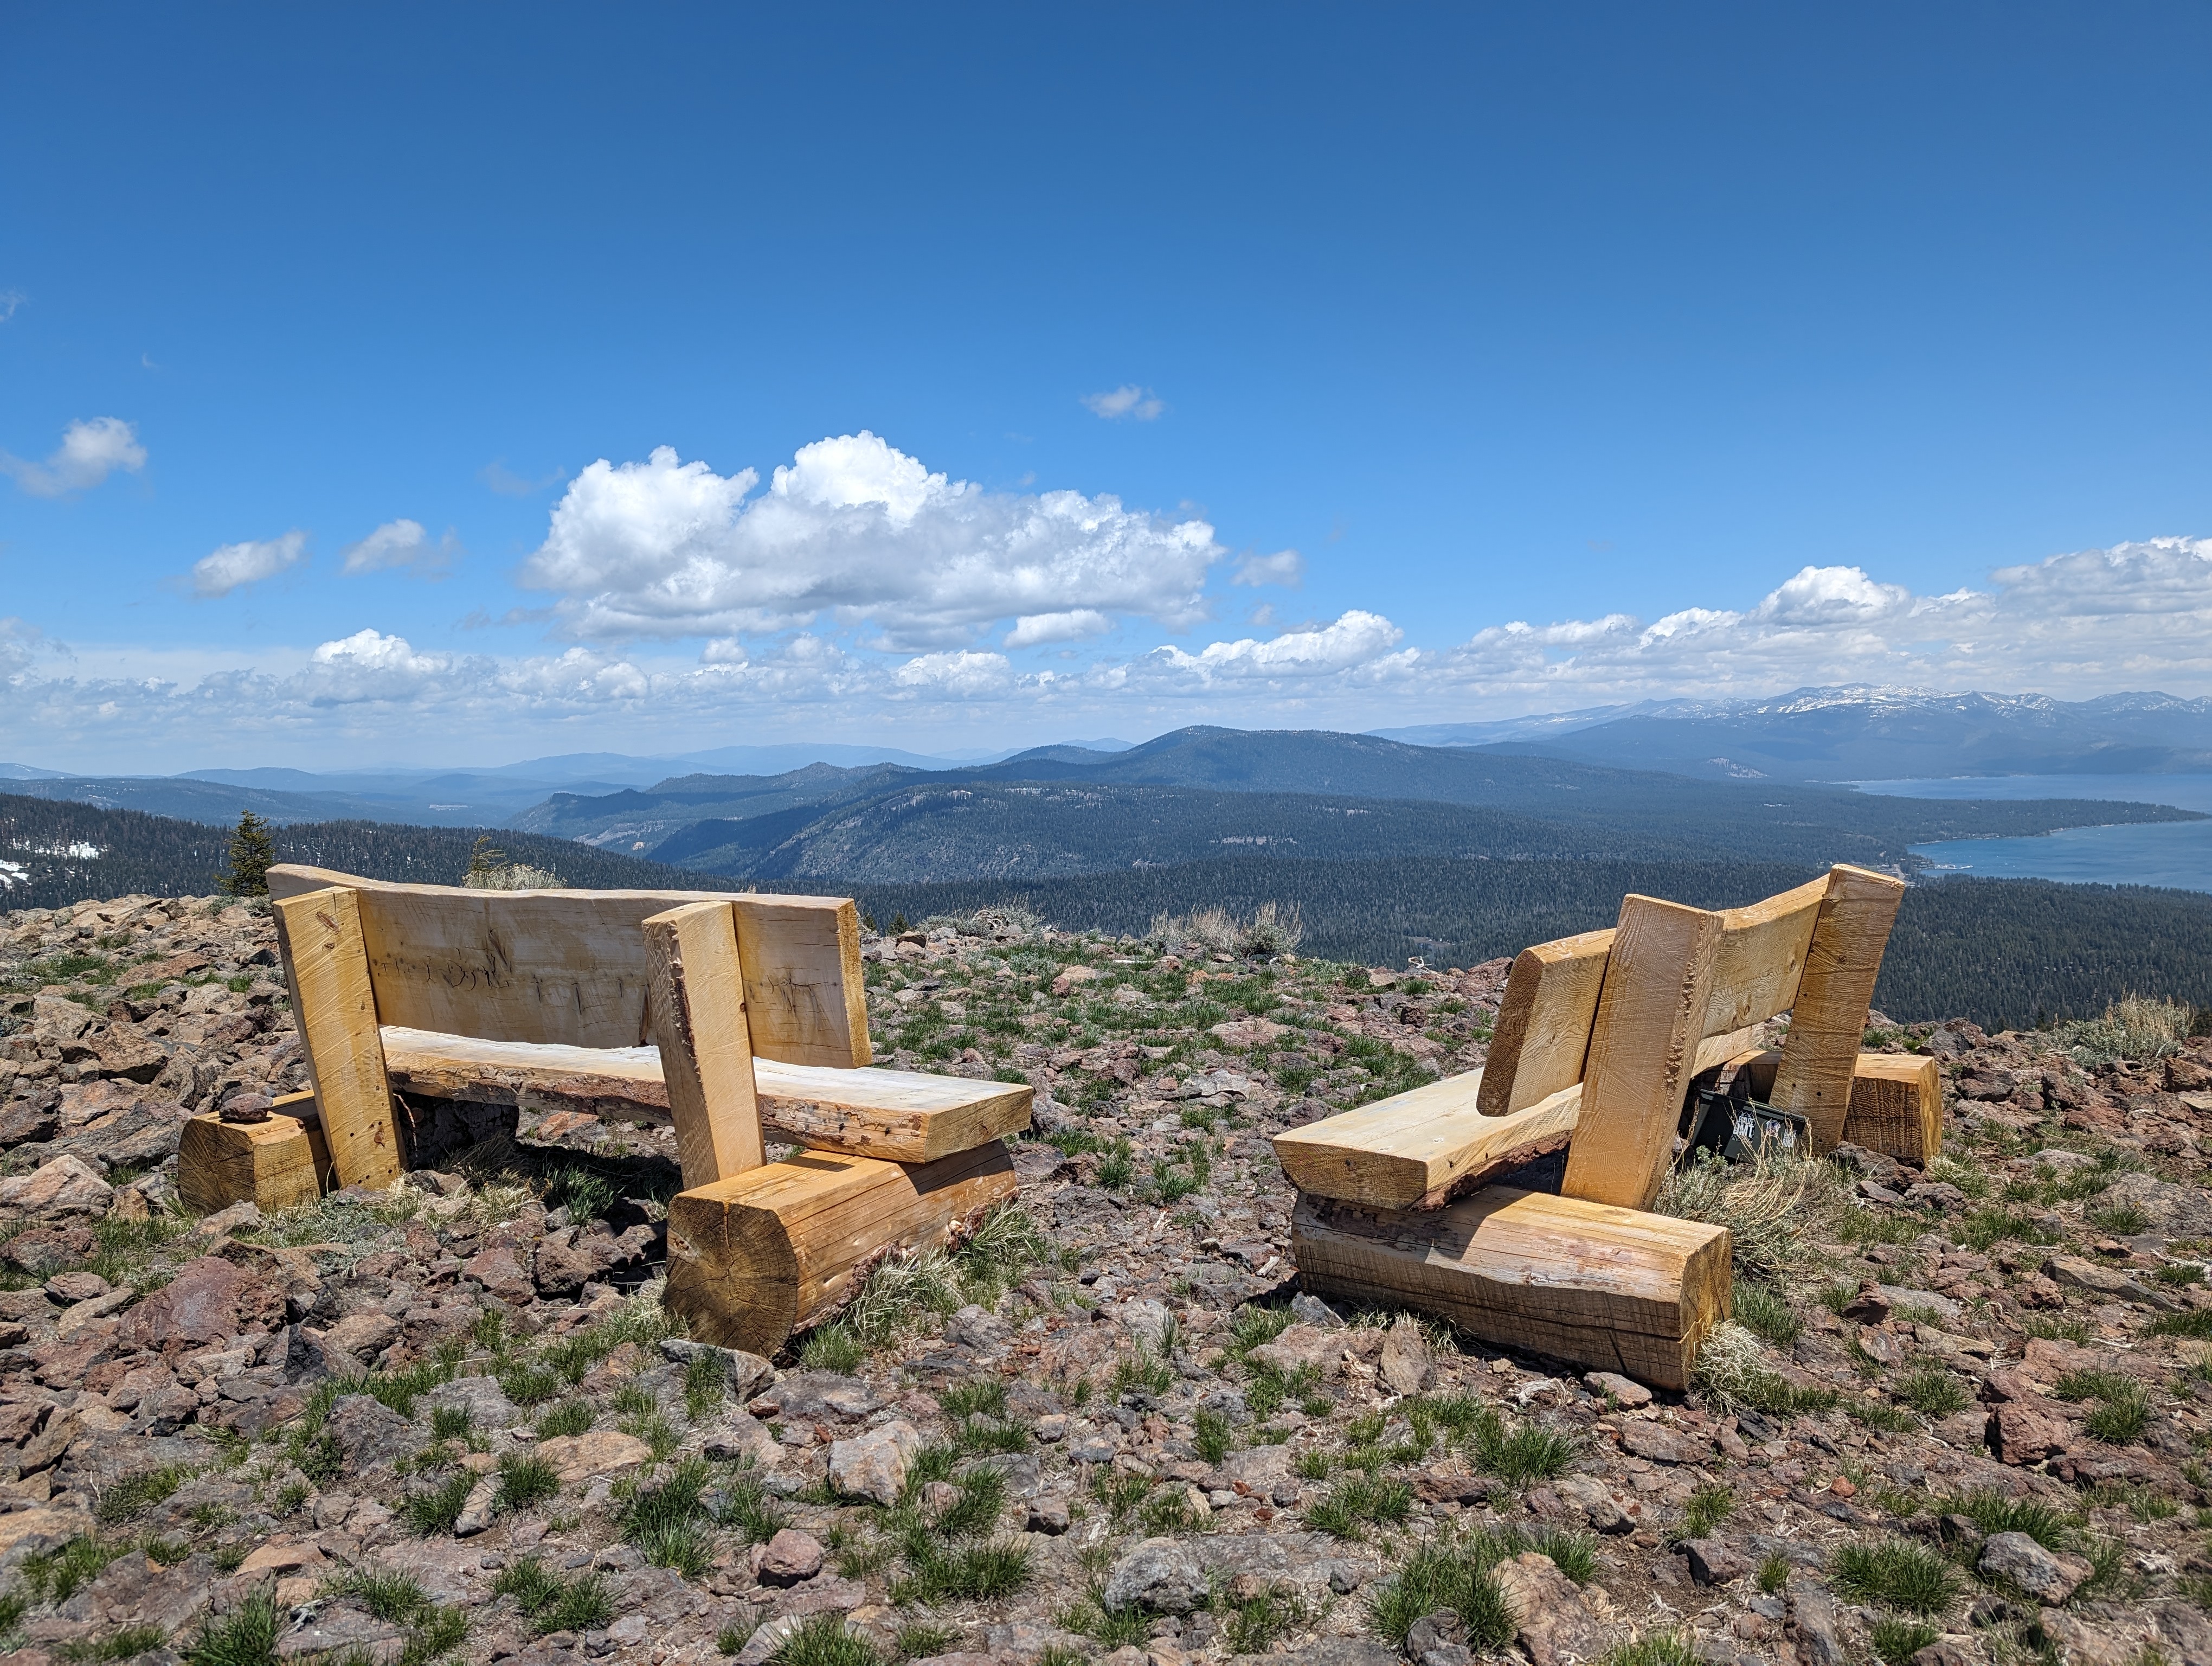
(1419, 1149)
(320, 937)
(1606, 1289)
(698, 1018)
(752, 1258)
(1827, 1023)
(570, 966)
(1644, 1047)
(1761, 958)
(901, 1116)
(1412, 1150)
(1896, 1106)
(1543, 1027)
(275, 1164)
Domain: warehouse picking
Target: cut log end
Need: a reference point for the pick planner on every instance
(756, 1256)
(274, 1164)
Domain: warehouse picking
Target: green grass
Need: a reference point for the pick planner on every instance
(1212, 1437)
(1896, 1641)
(1880, 1415)
(2121, 1221)
(1447, 1574)
(1934, 1392)
(1894, 1573)
(668, 1522)
(2123, 1404)
(435, 1509)
(572, 1416)
(1708, 1506)
(705, 1386)
(390, 1596)
(1760, 1309)
(1657, 1648)
(125, 1644)
(1358, 1501)
(132, 1497)
(822, 1641)
(526, 1478)
(918, 1640)
(55, 1576)
(833, 1349)
(2076, 1331)
(246, 1635)
(1522, 1455)
(551, 1603)
(1773, 1573)
(450, 1422)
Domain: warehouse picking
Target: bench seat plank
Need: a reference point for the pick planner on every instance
(900, 1115)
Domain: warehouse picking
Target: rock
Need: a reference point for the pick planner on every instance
(1047, 1515)
(67, 1289)
(2017, 1558)
(2175, 1210)
(485, 1401)
(132, 1591)
(23, 1122)
(1595, 1499)
(2079, 1643)
(874, 1465)
(2024, 1433)
(594, 1452)
(209, 1300)
(746, 1372)
(738, 1436)
(1146, 1320)
(1072, 976)
(1812, 1614)
(361, 1336)
(1713, 1562)
(369, 1433)
(1433, 1632)
(818, 1394)
(235, 1219)
(1336, 1651)
(1249, 1032)
(1406, 1364)
(788, 1558)
(499, 1269)
(1160, 1576)
(1555, 1628)
(1870, 1307)
(64, 1186)
(1660, 1444)
(1312, 1311)
(1302, 1345)
(2081, 1274)
(477, 1508)
(1623, 1391)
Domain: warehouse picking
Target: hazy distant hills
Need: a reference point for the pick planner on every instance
(1866, 733)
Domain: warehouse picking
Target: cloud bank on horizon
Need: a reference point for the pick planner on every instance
(860, 587)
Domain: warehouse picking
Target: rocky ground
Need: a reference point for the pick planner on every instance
(1960, 1416)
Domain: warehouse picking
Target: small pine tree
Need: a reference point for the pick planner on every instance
(252, 852)
(485, 861)
(898, 923)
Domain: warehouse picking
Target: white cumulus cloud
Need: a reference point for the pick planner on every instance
(855, 529)
(405, 545)
(1358, 641)
(89, 453)
(1128, 400)
(1034, 629)
(237, 564)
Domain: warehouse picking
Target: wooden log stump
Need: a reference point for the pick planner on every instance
(1605, 1288)
(753, 1257)
(1896, 1106)
(275, 1164)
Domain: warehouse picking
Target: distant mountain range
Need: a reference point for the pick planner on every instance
(1863, 733)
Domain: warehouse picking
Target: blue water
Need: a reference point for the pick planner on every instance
(2177, 853)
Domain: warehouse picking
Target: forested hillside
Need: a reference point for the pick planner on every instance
(2004, 953)
(53, 852)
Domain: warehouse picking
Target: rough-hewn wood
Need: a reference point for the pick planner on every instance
(1413, 1150)
(753, 1257)
(1644, 1047)
(1603, 1288)
(274, 1164)
(1761, 958)
(698, 1016)
(901, 1116)
(570, 966)
(326, 967)
(1418, 1149)
(1896, 1106)
(1543, 1026)
(1827, 1022)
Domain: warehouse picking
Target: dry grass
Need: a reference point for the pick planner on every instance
(1270, 931)
(2134, 1028)
(1771, 1206)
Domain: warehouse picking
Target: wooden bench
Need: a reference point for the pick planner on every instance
(718, 1015)
(1597, 1041)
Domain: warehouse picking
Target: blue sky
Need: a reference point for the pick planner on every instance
(1512, 359)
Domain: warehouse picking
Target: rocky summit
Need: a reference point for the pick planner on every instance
(1959, 1414)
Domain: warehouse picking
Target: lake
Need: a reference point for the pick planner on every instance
(2177, 853)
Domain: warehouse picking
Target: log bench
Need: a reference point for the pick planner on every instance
(1598, 1041)
(722, 1017)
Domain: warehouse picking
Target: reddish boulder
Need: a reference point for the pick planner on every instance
(211, 1299)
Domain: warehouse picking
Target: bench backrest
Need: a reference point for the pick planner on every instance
(571, 966)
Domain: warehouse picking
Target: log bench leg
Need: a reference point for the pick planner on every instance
(1607, 1288)
(275, 1164)
(753, 1257)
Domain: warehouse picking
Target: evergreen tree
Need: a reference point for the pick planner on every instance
(252, 852)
